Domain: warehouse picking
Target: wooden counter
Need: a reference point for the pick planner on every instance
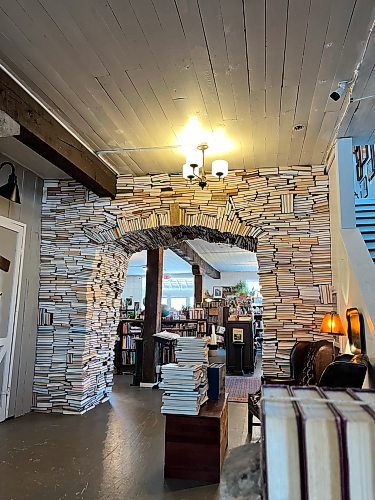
(195, 446)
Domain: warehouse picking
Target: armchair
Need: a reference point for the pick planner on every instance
(311, 364)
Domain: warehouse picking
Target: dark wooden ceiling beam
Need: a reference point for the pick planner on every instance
(46, 136)
(186, 252)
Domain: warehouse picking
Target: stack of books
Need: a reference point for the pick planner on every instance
(192, 349)
(318, 443)
(185, 388)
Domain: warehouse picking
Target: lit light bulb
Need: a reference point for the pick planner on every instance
(220, 168)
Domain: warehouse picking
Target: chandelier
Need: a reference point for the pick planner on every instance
(195, 162)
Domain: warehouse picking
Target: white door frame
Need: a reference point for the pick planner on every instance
(10, 339)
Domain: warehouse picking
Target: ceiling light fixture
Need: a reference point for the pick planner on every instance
(195, 162)
(10, 190)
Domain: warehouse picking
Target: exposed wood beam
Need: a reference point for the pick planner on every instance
(198, 285)
(46, 136)
(152, 321)
(8, 127)
(186, 252)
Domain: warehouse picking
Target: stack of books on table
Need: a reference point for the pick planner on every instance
(185, 388)
(318, 443)
(192, 350)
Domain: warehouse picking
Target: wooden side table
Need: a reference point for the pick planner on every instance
(195, 446)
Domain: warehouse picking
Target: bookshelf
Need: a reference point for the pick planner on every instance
(127, 331)
(186, 327)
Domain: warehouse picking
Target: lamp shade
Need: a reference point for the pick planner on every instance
(10, 190)
(188, 172)
(331, 324)
(220, 168)
(195, 157)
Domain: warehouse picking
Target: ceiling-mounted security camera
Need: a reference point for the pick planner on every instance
(336, 94)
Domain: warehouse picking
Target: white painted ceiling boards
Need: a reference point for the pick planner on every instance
(126, 73)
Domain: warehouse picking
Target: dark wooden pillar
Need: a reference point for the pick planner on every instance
(198, 284)
(152, 320)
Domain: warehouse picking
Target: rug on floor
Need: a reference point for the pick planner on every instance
(239, 388)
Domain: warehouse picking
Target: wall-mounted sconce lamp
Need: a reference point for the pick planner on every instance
(10, 190)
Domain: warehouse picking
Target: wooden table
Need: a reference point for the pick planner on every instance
(195, 446)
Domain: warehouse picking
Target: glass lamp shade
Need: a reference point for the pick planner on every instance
(331, 324)
(220, 168)
(195, 157)
(188, 172)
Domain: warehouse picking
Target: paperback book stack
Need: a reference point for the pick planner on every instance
(185, 382)
(185, 388)
(192, 350)
(318, 444)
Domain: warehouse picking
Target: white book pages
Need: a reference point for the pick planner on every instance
(322, 446)
(281, 445)
(360, 444)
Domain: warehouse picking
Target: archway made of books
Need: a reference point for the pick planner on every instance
(281, 214)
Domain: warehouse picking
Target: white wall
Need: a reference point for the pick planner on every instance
(29, 212)
(134, 288)
(231, 279)
(352, 267)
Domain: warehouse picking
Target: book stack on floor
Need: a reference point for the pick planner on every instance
(185, 382)
(318, 443)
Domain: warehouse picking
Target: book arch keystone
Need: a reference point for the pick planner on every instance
(282, 214)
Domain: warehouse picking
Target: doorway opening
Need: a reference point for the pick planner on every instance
(230, 301)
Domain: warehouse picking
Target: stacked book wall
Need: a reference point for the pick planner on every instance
(281, 213)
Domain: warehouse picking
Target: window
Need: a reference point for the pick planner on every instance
(178, 302)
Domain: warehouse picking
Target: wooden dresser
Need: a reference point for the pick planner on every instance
(195, 446)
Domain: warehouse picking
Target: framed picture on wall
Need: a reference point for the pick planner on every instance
(237, 334)
(358, 163)
(217, 292)
(363, 188)
(371, 164)
(129, 302)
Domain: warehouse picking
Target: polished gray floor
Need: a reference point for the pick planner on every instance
(114, 452)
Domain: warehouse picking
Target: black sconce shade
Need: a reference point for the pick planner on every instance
(10, 190)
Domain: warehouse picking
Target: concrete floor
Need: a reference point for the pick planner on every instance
(114, 452)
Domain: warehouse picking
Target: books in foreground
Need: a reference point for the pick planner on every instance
(318, 444)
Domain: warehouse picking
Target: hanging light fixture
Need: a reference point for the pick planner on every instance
(195, 162)
(10, 190)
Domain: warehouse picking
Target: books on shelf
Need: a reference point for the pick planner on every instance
(318, 443)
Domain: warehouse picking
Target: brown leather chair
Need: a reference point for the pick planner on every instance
(311, 363)
(308, 361)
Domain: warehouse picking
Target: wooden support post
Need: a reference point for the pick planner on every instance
(198, 284)
(152, 321)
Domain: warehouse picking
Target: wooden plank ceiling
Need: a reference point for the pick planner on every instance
(359, 120)
(131, 73)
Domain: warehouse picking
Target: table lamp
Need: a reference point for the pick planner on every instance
(331, 325)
